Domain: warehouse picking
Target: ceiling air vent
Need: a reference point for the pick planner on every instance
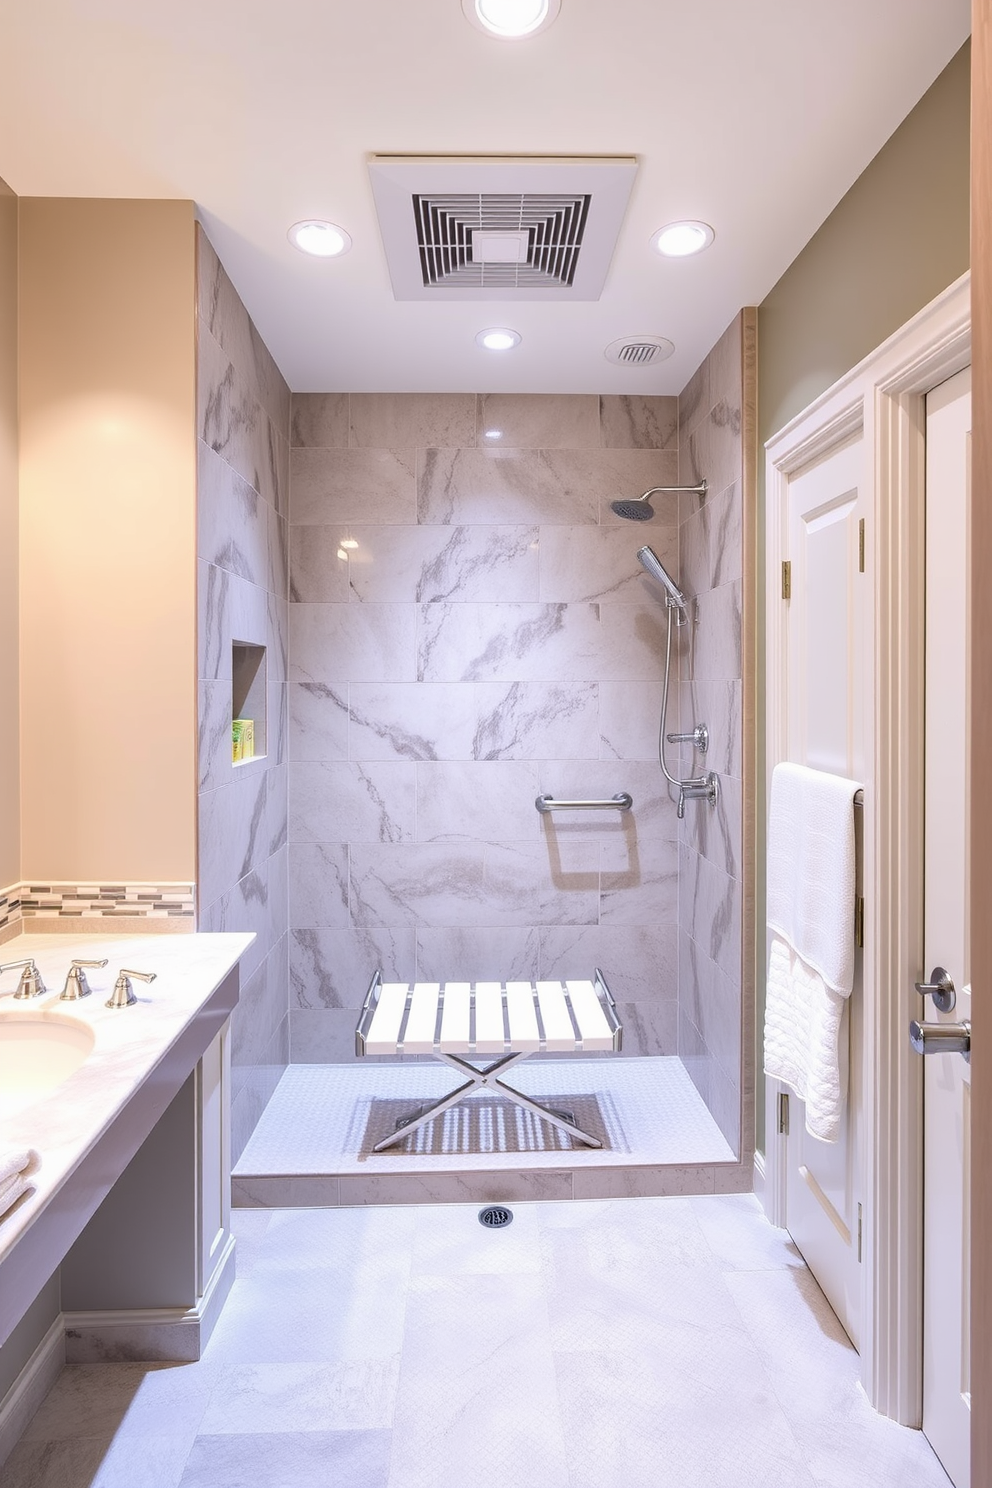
(500, 242)
(639, 351)
(496, 228)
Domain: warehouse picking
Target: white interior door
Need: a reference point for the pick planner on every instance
(947, 1076)
(827, 646)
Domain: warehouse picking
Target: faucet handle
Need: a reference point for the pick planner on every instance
(30, 984)
(76, 985)
(123, 993)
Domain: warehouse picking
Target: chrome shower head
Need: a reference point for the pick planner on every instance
(653, 565)
(639, 509)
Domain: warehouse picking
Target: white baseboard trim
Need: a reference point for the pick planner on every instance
(31, 1386)
(174, 1335)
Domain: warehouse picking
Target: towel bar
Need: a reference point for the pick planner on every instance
(512, 1021)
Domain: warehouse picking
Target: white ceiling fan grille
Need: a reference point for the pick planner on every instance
(639, 352)
(553, 224)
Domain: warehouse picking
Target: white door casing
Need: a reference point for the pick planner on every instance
(883, 397)
(947, 1077)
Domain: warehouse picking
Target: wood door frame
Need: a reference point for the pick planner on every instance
(883, 397)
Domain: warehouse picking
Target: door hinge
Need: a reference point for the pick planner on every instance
(860, 1217)
(859, 921)
(783, 1114)
(861, 546)
(786, 580)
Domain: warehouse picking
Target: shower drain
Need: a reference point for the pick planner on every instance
(495, 1216)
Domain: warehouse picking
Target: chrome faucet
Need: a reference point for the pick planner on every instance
(76, 985)
(123, 993)
(30, 984)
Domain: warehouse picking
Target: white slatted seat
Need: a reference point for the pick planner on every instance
(460, 1019)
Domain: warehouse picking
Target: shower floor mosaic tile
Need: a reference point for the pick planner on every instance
(635, 1343)
(321, 1119)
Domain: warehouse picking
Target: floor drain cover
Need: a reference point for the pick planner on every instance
(495, 1216)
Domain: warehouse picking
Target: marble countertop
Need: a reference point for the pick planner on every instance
(132, 1045)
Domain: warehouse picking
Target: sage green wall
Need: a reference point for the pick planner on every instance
(10, 816)
(888, 248)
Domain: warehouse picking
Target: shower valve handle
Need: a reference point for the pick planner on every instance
(703, 788)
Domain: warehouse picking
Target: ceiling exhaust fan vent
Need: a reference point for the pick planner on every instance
(639, 351)
(500, 228)
(491, 240)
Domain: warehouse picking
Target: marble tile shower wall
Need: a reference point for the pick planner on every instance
(242, 506)
(469, 626)
(711, 867)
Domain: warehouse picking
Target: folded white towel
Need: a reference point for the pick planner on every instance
(811, 867)
(16, 1171)
(13, 1192)
(811, 886)
(12, 1163)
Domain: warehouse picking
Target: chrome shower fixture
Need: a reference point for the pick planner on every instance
(640, 509)
(653, 565)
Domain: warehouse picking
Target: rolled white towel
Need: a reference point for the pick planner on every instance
(15, 1187)
(16, 1170)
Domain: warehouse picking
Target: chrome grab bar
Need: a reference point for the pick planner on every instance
(622, 801)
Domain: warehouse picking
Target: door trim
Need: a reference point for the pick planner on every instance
(885, 396)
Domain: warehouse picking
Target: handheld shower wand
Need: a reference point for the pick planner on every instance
(653, 565)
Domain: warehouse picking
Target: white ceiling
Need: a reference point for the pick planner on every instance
(753, 115)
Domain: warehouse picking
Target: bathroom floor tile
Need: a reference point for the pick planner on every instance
(302, 1459)
(625, 1343)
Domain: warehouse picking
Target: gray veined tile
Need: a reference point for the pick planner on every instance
(232, 519)
(318, 566)
(710, 543)
(347, 801)
(318, 876)
(353, 643)
(629, 719)
(458, 954)
(487, 800)
(412, 721)
(319, 419)
(352, 485)
(98, 1462)
(600, 563)
(251, 1398)
(486, 486)
(535, 720)
(318, 721)
(331, 969)
(386, 420)
(635, 421)
(223, 314)
(417, 564)
(233, 423)
(538, 421)
(509, 643)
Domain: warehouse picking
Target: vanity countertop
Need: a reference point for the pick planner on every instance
(87, 1129)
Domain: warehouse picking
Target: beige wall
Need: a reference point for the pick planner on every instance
(108, 541)
(10, 821)
(897, 238)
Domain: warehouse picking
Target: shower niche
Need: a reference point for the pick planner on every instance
(248, 702)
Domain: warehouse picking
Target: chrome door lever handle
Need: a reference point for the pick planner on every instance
(940, 1038)
(941, 988)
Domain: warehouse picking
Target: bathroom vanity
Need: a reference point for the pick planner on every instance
(130, 1203)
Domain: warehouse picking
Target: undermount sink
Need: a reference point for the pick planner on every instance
(37, 1054)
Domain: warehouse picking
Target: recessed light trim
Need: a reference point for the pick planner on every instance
(511, 20)
(498, 338)
(319, 239)
(682, 239)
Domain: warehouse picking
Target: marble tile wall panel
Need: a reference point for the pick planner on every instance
(352, 485)
(711, 425)
(490, 635)
(539, 421)
(243, 585)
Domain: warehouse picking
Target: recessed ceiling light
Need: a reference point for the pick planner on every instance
(322, 239)
(511, 19)
(498, 338)
(680, 239)
(349, 542)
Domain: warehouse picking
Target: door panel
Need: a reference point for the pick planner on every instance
(947, 1089)
(825, 648)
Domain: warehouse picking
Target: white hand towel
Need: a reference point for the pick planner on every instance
(811, 884)
(16, 1171)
